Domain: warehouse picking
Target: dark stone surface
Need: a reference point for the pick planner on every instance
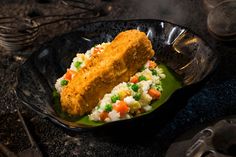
(215, 100)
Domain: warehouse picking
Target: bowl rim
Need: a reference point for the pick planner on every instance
(81, 127)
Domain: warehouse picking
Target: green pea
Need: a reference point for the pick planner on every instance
(154, 72)
(134, 87)
(137, 96)
(64, 82)
(114, 98)
(142, 78)
(77, 64)
(108, 107)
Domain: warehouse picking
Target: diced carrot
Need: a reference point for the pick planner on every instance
(68, 75)
(134, 79)
(103, 116)
(151, 64)
(155, 94)
(122, 108)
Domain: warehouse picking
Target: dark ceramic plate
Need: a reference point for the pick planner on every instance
(185, 57)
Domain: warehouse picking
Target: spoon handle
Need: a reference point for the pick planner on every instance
(32, 141)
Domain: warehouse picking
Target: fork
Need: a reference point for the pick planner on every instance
(17, 33)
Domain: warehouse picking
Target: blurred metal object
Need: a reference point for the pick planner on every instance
(210, 4)
(17, 33)
(33, 151)
(218, 140)
(82, 4)
(221, 20)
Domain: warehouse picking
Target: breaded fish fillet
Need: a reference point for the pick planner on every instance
(126, 54)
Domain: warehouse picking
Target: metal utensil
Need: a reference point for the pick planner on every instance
(82, 4)
(217, 140)
(17, 33)
(33, 151)
(210, 4)
(221, 20)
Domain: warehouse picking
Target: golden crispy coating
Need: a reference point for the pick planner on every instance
(126, 54)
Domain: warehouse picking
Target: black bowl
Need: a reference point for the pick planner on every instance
(187, 55)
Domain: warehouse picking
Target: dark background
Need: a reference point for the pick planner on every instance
(215, 100)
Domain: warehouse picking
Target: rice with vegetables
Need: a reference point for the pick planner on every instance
(127, 99)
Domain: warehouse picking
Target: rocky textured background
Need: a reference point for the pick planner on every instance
(215, 100)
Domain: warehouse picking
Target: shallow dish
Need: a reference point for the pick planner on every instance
(186, 56)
